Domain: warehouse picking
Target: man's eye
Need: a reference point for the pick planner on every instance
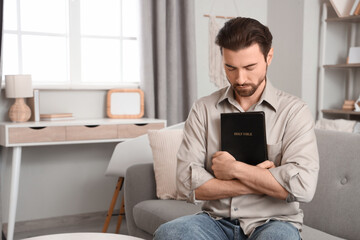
(250, 68)
(230, 69)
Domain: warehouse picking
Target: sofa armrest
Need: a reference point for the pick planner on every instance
(139, 186)
(335, 206)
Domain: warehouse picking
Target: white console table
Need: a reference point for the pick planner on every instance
(17, 135)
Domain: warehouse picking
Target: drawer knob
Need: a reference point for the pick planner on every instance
(141, 124)
(92, 126)
(37, 128)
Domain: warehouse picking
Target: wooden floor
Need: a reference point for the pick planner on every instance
(92, 222)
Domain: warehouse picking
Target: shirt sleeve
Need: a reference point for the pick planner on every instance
(191, 172)
(299, 167)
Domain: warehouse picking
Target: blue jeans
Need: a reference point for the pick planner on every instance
(202, 226)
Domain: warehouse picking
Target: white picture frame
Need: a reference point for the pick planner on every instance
(125, 103)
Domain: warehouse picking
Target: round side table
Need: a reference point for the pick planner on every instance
(84, 236)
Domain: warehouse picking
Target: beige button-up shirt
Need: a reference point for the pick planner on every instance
(291, 146)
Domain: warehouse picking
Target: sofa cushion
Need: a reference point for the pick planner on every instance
(150, 214)
(309, 233)
(165, 145)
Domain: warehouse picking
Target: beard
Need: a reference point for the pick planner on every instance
(250, 90)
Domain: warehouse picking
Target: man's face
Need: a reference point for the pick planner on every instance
(246, 69)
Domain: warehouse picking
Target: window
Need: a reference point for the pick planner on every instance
(72, 43)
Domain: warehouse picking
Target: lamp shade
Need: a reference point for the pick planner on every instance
(18, 86)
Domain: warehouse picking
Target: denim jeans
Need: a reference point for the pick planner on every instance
(202, 226)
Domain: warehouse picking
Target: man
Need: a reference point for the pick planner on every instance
(242, 201)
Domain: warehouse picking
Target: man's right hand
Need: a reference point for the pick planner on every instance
(267, 164)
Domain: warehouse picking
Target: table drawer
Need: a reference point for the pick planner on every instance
(135, 130)
(36, 134)
(91, 132)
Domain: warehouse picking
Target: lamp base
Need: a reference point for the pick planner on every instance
(19, 111)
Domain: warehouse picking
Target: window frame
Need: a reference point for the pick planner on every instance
(74, 38)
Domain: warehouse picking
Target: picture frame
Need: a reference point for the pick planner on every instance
(342, 7)
(125, 103)
(354, 55)
(357, 105)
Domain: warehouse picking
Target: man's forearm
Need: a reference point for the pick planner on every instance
(262, 180)
(218, 189)
(256, 178)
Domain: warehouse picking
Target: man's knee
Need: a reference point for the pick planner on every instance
(174, 229)
(276, 230)
(187, 227)
(166, 231)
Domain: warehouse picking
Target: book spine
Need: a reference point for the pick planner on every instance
(357, 10)
(355, 5)
(57, 119)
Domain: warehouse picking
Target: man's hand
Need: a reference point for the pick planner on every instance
(266, 164)
(235, 178)
(223, 165)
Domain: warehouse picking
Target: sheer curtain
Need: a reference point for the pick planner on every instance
(168, 75)
(1, 28)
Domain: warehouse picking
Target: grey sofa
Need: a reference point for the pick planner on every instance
(334, 213)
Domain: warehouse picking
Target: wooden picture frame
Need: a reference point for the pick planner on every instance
(125, 103)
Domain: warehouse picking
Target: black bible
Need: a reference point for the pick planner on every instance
(243, 135)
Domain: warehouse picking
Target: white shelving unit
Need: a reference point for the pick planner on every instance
(351, 23)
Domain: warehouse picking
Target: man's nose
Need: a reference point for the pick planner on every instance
(241, 77)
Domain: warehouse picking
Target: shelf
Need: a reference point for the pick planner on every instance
(350, 19)
(340, 111)
(329, 69)
(344, 65)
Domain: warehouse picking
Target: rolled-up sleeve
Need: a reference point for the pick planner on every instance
(191, 172)
(299, 168)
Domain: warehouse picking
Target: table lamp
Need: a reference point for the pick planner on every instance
(19, 87)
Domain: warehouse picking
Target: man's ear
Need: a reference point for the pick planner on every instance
(270, 56)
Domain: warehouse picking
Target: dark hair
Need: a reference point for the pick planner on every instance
(240, 32)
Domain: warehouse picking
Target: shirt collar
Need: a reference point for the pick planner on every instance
(269, 96)
(228, 93)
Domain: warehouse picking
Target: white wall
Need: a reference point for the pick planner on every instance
(295, 28)
(83, 104)
(311, 36)
(285, 21)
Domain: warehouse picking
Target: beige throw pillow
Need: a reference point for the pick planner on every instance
(165, 145)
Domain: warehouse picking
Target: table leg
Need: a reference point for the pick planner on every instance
(14, 190)
(112, 204)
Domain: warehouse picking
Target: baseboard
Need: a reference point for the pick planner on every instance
(64, 221)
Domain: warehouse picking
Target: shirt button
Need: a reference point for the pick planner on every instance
(344, 181)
